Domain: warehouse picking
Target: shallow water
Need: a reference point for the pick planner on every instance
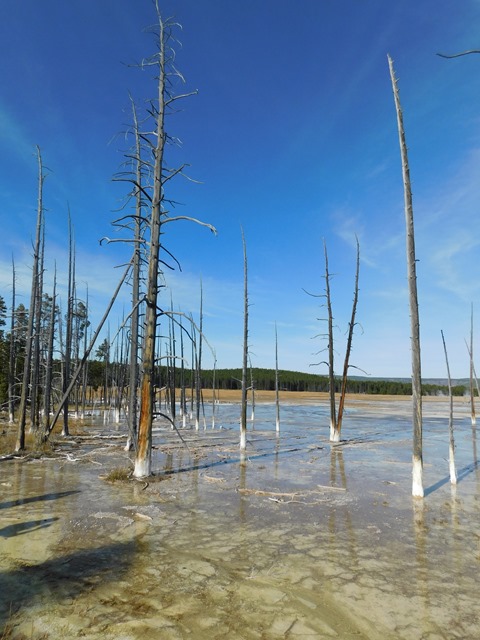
(304, 540)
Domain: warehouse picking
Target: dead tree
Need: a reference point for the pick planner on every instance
(214, 393)
(159, 217)
(334, 433)
(198, 363)
(20, 443)
(277, 398)
(243, 409)
(12, 357)
(67, 356)
(49, 362)
(348, 350)
(172, 364)
(472, 373)
(417, 483)
(451, 447)
(36, 346)
(336, 419)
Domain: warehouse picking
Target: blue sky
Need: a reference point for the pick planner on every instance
(292, 136)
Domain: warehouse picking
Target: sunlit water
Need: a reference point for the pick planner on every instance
(303, 540)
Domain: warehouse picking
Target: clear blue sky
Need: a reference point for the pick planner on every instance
(292, 135)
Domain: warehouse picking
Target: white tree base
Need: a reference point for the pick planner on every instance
(243, 440)
(334, 434)
(453, 471)
(417, 479)
(143, 469)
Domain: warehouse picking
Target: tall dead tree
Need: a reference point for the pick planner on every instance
(417, 476)
(49, 362)
(334, 435)
(67, 356)
(336, 419)
(20, 443)
(472, 373)
(12, 357)
(163, 61)
(198, 362)
(243, 409)
(172, 368)
(451, 447)
(277, 398)
(36, 346)
(346, 363)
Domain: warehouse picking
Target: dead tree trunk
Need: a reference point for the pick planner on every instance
(277, 398)
(20, 443)
(143, 459)
(472, 373)
(69, 324)
(243, 414)
(417, 483)
(173, 366)
(451, 447)
(214, 392)
(36, 347)
(49, 364)
(348, 350)
(198, 363)
(334, 433)
(163, 62)
(12, 356)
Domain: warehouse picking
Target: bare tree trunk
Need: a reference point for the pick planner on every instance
(48, 378)
(214, 396)
(173, 367)
(472, 391)
(12, 356)
(348, 350)
(85, 368)
(158, 218)
(36, 350)
(134, 322)
(451, 447)
(334, 433)
(143, 459)
(183, 398)
(277, 397)
(20, 443)
(198, 367)
(69, 322)
(243, 415)
(193, 368)
(417, 479)
(252, 391)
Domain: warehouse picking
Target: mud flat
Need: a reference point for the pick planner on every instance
(304, 540)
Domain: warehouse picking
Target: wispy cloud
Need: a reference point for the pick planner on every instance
(13, 136)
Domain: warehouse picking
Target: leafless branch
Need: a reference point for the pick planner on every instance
(457, 55)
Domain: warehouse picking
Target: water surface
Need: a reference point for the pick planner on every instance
(303, 540)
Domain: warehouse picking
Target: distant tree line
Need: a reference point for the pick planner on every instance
(104, 373)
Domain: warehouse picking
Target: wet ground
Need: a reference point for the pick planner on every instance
(304, 540)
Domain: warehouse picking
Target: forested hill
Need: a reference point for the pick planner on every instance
(264, 379)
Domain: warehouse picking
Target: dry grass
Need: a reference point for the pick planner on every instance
(8, 439)
(118, 474)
